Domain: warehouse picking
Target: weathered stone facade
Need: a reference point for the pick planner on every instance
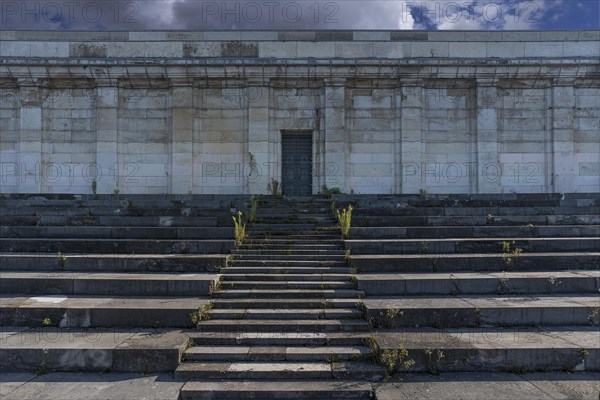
(389, 112)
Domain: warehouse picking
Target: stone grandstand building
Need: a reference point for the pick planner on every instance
(370, 112)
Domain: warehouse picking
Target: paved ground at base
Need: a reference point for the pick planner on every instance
(464, 386)
(499, 386)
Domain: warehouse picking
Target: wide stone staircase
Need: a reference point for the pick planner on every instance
(495, 283)
(284, 323)
(107, 282)
(426, 286)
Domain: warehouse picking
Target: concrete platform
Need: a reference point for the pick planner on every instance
(81, 283)
(475, 311)
(542, 261)
(497, 349)
(98, 311)
(126, 350)
(498, 386)
(111, 262)
(531, 282)
(89, 386)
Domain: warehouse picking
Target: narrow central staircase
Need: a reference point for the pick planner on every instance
(284, 323)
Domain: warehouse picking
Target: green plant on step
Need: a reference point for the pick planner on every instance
(240, 229)
(389, 318)
(333, 358)
(253, 209)
(43, 368)
(503, 284)
(396, 358)
(274, 188)
(326, 304)
(328, 192)
(585, 353)
(46, 321)
(510, 253)
(344, 220)
(202, 314)
(61, 260)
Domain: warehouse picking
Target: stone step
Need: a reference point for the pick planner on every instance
(543, 261)
(276, 252)
(283, 325)
(275, 338)
(298, 236)
(288, 257)
(111, 262)
(98, 311)
(227, 277)
(498, 212)
(470, 245)
(478, 220)
(115, 232)
(280, 370)
(491, 385)
(574, 282)
(285, 285)
(518, 350)
(112, 220)
(288, 294)
(286, 270)
(282, 227)
(277, 390)
(127, 246)
(285, 314)
(279, 353)
(276, 245)
(48, 349)
(474, 311)
(222, 215)
(439, 232)
(81, 283)
(294, 303)
(288, 263)
(294, 243)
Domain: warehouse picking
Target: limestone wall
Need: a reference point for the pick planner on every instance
(390, 112)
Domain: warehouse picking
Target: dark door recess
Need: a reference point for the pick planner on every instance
(296, 156)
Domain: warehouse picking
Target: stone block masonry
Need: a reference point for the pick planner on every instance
(204, 112)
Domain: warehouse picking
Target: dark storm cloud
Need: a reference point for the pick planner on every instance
(271, 14)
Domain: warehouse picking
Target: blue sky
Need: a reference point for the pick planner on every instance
(300, 14)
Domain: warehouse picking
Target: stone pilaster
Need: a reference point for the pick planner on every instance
(259, 169)
(337, 144)
(30, 139)
(488, 172)
(412, 138)
(106, 147)
(182, 145)
(565, 162)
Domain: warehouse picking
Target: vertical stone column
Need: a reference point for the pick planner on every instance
(337, 143)
(106, 145)
(565, 164)
(258, 169)
(488, 171)
(412, 140)
(182, 146)
(30, 165)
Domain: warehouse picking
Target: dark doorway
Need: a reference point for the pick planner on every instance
(296, 168)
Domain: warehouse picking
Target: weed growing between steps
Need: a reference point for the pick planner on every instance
(510, 254)
(253, 209)
(240, 229)
(61, 260)
(344, 220)
(202, 314)
(328, 192)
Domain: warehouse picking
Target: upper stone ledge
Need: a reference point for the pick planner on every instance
(304, 36)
